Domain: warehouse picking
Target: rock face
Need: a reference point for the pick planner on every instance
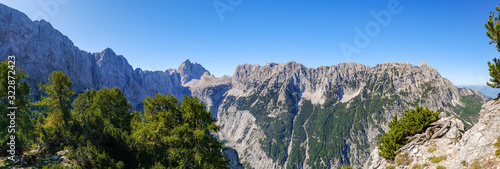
(287, 115)
(275, 116)
(473, 148)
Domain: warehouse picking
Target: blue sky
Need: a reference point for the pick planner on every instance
(157, 35)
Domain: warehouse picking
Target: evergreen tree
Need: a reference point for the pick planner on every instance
(24, 126)
(180, 134)
(104, 117)
(413, 122)
(493, 27)
(56, 107)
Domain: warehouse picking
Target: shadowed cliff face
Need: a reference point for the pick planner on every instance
(274, 115)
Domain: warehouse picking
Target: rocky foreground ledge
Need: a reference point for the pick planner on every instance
(454, 148)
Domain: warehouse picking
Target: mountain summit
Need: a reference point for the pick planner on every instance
(189, 71)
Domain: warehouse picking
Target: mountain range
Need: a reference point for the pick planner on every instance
(275, 115)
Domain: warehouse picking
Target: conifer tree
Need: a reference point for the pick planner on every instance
(493, 27)
(17, 87)
(55, 105)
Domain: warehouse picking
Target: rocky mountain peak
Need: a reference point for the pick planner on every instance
(423, 64)
(189, 71)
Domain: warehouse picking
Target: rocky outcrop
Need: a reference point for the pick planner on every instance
(455, 148)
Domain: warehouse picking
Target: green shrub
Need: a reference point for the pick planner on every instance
(346, 167)
(416, 166)
(497, 145)
(431, 149)
(413, 122)
(438, 159)
(440, 167)
(390, 167)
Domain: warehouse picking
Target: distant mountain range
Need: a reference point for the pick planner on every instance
(486, 90)
(276, 115)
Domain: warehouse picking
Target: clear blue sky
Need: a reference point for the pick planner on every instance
(157, 35)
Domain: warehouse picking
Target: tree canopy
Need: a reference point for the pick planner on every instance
(100, 130)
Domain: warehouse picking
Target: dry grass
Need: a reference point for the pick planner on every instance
(404, 159)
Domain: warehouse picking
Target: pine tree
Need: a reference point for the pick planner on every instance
(24, 126)
(58, 95)
(414, 121)
(493, 27)
(181, 134)
(56, 105)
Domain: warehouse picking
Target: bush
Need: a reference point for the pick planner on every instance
(431, 149)
(346, 167)
(90, 157)
(413, 122)
(416, 166)
(497, 145)
(438, 159)
(440, 167)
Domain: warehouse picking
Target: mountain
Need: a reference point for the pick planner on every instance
(486, 90)
(289, 116)
(276, 115)
(456, 149)
(41, 49)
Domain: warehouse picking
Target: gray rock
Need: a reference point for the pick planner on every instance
(234, 160)
(457, 145)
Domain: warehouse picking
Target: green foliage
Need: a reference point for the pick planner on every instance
(90, 156)
(158, 165)
(24, 129)
(101, 132)
(493, 27)
(346, 167)
(437, 159)
(470, 111)
(431, 149)
(55, 110)
(179, 134)
(497, 145)
(417, 166)
(440, 167)
(413, 122)
(390, 167)
(58, 93)
(277, 129)
(494, 69)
